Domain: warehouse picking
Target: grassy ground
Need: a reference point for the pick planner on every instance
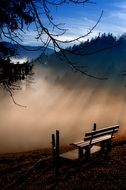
(34, 171)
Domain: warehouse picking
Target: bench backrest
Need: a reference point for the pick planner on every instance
(101, 132)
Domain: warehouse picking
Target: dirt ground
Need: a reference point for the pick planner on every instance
(34, 171)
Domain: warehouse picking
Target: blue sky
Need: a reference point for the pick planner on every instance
(79, 19)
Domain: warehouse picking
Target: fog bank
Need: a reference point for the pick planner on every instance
(59, 100)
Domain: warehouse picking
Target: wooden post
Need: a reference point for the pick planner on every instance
(94, 127)
(57, 153)
(57, 144)
(53, 147)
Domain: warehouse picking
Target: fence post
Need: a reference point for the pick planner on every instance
(57, 144)
(57, 153)
(94, 127)
(53, 148)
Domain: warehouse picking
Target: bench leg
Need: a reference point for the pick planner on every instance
(80, 153)
(84, 155)
(87, 153)
(103, 147)
(109, 145)
(106, 146)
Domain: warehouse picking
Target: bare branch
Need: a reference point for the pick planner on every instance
(83, 36)
(11, 94)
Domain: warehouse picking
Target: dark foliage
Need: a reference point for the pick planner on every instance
(16, 16)
(13, 16)
(96, 44)
(10, 72)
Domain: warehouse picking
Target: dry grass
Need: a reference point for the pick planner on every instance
(19, 171)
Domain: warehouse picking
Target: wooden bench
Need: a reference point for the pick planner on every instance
(98, 139)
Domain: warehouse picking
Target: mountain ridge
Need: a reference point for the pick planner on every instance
(28, 52)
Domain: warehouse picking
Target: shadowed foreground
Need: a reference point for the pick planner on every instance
(34, 170)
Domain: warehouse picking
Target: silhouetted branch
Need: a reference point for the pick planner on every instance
(83, 36)
(79, 69)
(56, 42)
(10, 90)
(15, 15)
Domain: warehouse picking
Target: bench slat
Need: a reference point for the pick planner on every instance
(96, 135)
(100, 139)
(82, 144)
(102, 130)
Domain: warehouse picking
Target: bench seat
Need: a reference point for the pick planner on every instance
(94, 141)
(73, 154)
